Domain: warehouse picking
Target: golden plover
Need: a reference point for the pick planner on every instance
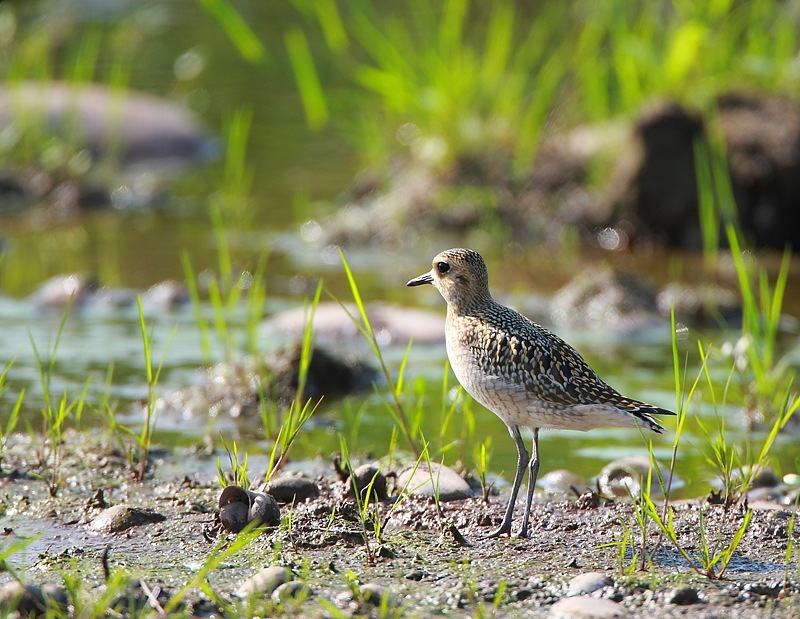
(520, 371)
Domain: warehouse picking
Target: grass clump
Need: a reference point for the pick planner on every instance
(459, 78)
(13, 418)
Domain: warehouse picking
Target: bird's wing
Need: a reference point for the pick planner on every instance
(553, 371)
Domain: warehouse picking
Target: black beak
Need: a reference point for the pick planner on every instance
(422, 279)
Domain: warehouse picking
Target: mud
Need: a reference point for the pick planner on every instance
(422, 560)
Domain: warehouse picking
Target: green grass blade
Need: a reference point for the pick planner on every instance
(308, 83)
(237, 29)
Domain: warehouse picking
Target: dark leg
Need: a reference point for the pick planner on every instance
(533, 473)
(522, 459)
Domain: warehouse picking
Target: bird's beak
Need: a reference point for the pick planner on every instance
(422, 279)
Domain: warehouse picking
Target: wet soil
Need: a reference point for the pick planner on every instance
(425, 560)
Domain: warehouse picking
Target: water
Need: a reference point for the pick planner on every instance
(297, 174)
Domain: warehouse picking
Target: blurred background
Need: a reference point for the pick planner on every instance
(610, 160)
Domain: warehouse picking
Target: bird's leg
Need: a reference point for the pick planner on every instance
(533, 473)
(522, 459)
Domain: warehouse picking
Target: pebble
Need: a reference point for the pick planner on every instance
(365, 475)
(791, 479)
(451, 486)
(585, 607)
(291, 590)
(623, 477)
(264, 582)
(376, 594)
(561, 481)
(683, 596)
(588, 582)
(292, 488)
(120, 517)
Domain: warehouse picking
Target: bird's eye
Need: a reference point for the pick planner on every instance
(442, 267)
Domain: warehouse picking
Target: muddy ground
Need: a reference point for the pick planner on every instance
(427, 564)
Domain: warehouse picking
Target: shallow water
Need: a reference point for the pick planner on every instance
(297, 176)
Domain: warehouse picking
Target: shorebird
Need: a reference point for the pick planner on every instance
(523, 373)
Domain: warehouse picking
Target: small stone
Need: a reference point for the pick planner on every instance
(264, 582)
(292, 590)
(588, 582)
(683, 596)
(624, 477)
(375, 595)
(791, 479)
(425, 482)
(264, 508)
(292, 488)
(120, 517)
(365, 475)
(561, 481)
(585, 607)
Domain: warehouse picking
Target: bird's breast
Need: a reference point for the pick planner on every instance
(477, 357)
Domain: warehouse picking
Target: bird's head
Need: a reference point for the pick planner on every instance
(460, 276)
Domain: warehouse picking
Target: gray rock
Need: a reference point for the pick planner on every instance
(585, 607)
(237, 388)
(683, 596)
(292, 590)
(561, 481)
(56, 292)
(32, 600)
(624, 477)
(137, 128)
(120, 517)
(292, 488)
(265, 582)
(365, 475)
(439, 479)
(376, 594)
(589, 582)
(605, 299)
(392, 324)
(700, 304)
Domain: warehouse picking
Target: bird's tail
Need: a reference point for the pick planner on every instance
(645, 415)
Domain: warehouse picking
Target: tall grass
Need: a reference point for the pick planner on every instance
(152, 376)
(55, 411)
(13, 418)
(461, 77)
(397, 409)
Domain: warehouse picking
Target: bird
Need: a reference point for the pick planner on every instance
(526, 375)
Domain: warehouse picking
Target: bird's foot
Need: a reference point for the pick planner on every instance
(505, 529)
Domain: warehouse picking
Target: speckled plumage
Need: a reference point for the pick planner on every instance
(519, 370)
